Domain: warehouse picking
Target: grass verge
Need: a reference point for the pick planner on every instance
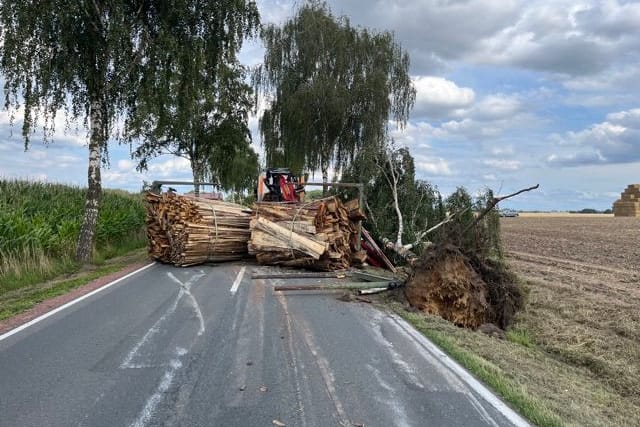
(549, 383)
(439, 332)
(19, 300)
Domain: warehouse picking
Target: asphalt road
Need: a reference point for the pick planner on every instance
(200, 347)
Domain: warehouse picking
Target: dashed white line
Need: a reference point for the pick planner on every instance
(236, 283)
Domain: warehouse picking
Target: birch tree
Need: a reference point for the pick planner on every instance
(95, 59)
(332, 89)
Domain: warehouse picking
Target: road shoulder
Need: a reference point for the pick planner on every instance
(24, 305)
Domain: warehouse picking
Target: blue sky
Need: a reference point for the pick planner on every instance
(510, 93)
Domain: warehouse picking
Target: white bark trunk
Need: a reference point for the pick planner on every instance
(393, 182)
(325, 182)
(86, 239)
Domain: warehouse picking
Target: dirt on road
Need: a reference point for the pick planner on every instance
(583, 308)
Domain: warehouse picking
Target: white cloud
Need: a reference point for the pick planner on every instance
(126, 165)
(175, 166)
(616, 140)
(438, 97)
(502, 164)
(433, 165)
(497, 106)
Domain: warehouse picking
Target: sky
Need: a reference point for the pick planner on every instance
(509, 94)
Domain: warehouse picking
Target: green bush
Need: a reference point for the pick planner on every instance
(40, 222)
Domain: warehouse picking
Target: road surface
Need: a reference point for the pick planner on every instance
(209, 346)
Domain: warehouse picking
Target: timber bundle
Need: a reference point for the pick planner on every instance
(185, 230)
(319, 235)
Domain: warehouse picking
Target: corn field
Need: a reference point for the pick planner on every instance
(40, 222)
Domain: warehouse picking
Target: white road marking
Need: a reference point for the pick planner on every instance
(70, 303)
(184, 288)
(194, 303)
(149, 408)
(432, 350)
(175, 364)
(396, 358)
(236, 283)
(391, 400)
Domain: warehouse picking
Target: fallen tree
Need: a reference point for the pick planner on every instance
(464, 289)
(462, 277)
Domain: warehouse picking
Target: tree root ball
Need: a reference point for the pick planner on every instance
(462, 289)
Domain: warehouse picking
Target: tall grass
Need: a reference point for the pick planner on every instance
(39, 226)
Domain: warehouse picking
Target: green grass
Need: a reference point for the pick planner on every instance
(39, 226)
(520, 336)
(492, 375)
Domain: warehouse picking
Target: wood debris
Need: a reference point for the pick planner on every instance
(318, 235)
(185, 230)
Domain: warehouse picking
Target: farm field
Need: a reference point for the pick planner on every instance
(583, 281)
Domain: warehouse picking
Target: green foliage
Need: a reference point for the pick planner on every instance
(67, 54)
(419, 201)
(520, 336)
(198, 107)
(482, 239)
(209, 128)
(107, 62)
(334, 88)
(39, 226)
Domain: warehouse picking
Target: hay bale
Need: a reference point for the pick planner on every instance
(629, 202)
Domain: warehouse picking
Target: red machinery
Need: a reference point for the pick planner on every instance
(280, 185)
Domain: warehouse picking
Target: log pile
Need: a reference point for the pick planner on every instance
(319, 235)
(629, 202)
(184, 230)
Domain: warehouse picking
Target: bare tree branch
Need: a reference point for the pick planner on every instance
(492, 204)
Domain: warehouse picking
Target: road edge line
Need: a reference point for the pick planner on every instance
(70, 303)
(236, 283)
(464, 375)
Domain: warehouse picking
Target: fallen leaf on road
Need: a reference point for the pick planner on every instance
(279, 423)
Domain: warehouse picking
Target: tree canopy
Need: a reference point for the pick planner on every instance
(332, 89)
(97, 59)
(199, 109)
(208, 126)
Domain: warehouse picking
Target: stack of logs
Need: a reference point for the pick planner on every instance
(185, 230)
(319, 235)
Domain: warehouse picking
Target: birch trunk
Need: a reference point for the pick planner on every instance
(198, 173)
(325, 182)
(393, 183)
(86, 239)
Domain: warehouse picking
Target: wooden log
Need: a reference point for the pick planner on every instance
(294, 240)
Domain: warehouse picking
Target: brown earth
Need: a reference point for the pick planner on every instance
(583, 307)
(445, 284)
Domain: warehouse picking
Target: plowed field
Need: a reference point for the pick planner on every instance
(583, 309)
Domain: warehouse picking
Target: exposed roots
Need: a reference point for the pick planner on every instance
(464, 290)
